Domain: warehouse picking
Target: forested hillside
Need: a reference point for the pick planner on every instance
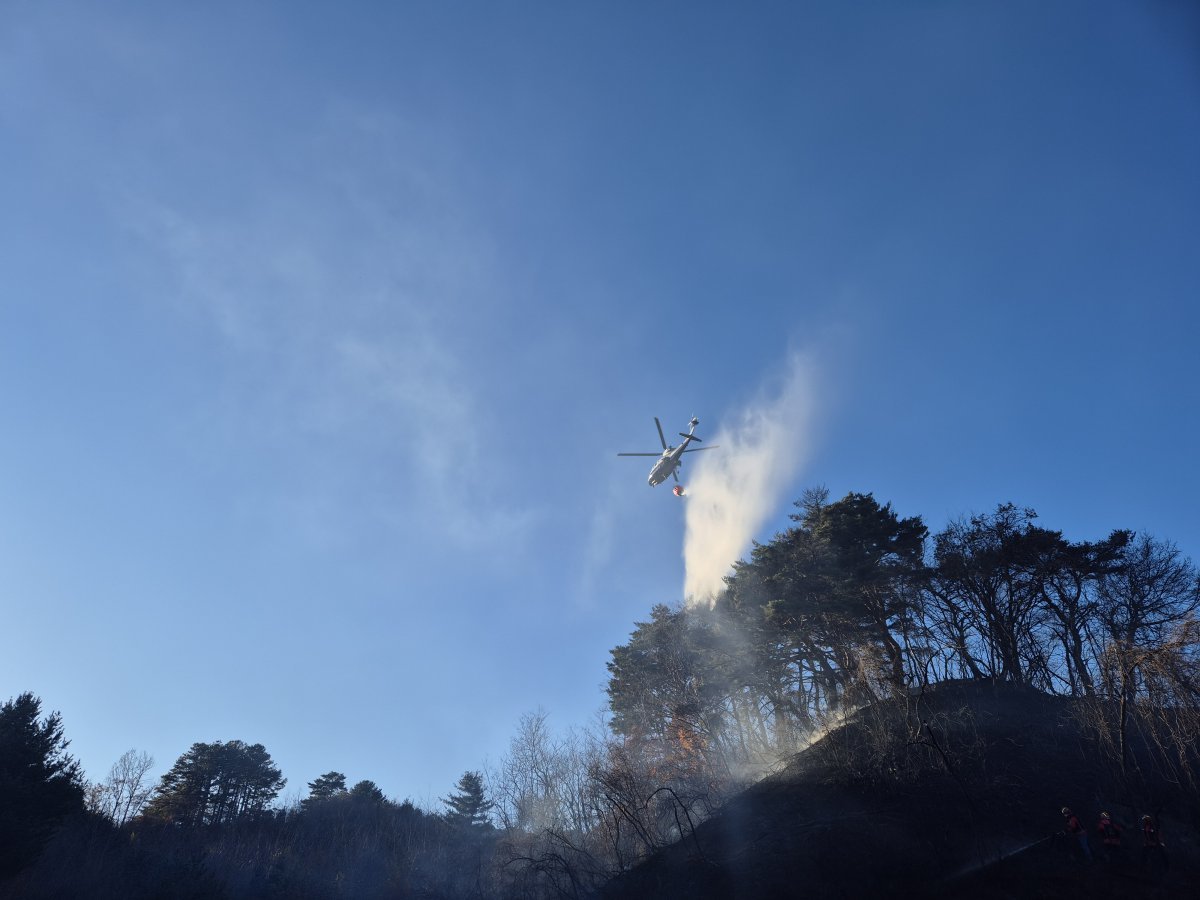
(855, 603)
(842, 625)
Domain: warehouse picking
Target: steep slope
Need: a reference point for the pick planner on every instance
(954, 792)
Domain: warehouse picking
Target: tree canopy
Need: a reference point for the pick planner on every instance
(215, 783)
(324, 787)
(40, 783)
(854, 603)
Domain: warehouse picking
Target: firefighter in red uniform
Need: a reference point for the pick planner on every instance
(1152, 845)
(1110, 837)
(1076, 830)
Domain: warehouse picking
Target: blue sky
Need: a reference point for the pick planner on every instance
(320, 329)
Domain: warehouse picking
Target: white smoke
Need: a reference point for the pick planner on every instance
(732, 490)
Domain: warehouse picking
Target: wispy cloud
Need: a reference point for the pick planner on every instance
(733, 490)
(606, 511)
(417, 395)
(340, 309)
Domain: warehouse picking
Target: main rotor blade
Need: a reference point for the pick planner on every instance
(698, 449)
(639, 454)
(658, 425)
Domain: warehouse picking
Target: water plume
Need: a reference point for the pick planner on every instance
(731, 491)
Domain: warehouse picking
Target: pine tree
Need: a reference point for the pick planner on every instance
(366, 791)
(40, 783)
(468, 806)
(216, 783)
(326, 787)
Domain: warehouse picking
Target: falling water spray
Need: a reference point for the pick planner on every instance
(732, 491)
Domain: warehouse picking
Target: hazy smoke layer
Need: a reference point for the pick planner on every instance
(731, 491)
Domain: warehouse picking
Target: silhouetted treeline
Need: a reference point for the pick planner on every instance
(853, 606)
(341, 843)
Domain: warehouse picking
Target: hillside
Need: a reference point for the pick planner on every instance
(951, 793)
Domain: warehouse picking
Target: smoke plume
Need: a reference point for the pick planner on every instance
(732, 490)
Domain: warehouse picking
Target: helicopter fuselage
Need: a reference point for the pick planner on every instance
(666, 465)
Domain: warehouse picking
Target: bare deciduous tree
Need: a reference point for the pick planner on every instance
(1149, 595)
(125, 791)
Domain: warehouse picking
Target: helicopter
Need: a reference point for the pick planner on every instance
(670, 459)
